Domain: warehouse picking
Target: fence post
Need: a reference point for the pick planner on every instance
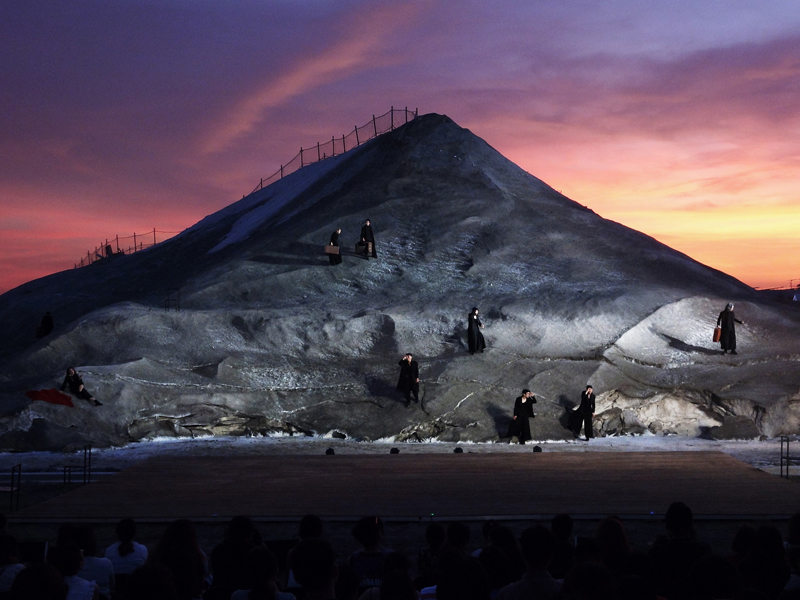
(301, 157)
(357, 142)
(88, 258)
(117, 238)
(333, 145)
(405, 114)
(319, 156)
(134, 241)
(281, 171)
(261, 185)
(374, 126)
(154, 236)
(344, 146)
(391, 119)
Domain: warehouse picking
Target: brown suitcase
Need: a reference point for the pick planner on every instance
(717, 333)
(331, 249)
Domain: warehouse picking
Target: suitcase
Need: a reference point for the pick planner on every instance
(717, 333)
(364, 248)
(331, 249)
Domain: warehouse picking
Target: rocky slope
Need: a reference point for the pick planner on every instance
(271, 338)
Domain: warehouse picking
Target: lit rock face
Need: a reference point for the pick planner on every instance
(270, 338)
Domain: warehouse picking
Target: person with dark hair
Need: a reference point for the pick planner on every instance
(766, 569)
(180, 534)
(614, 546)
(742, 543)
(228, 558)
(564, 554)
(368, 237)
(502, 537)
(675, 554)
(187, 572)
(523, 411)
(428, 558)
(39, 581)
(335, 259)
(75, 383)
(310, 527)
(537, 545)
(368, 562)
(409, 378)
(9, 565)
(475, 339)
(314, 564)
(585, 413)
(726, 322)
(486, 530)
(99, 570)
(68, 560)
(126, 555)
(262, 570)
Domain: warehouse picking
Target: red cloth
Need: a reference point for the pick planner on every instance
(51, 396)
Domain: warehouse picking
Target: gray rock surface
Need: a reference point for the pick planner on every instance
(271, 339)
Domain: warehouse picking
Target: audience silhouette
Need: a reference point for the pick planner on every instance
(542, 563)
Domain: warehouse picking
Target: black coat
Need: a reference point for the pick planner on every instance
(367, 235)
(74, 382)
(474, 335)
(409, 373)
(335, 259)
(726, 321)
(523, 411)
(587, 404)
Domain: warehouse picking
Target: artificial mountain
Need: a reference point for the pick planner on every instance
(271, 339)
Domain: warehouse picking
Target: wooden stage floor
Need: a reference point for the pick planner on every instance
(418, 486)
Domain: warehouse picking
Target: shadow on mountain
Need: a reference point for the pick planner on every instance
(501, 419)
(569, 417)
(380, 388)
(684, 347)
(299, 254)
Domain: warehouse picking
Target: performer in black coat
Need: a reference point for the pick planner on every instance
(523, 410)
(368, 236)
(474, 335)
(585, 413)
(726, 321)
(409, 378)
(335, 258)
(76, 387)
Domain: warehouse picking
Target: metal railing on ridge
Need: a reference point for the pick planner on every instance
(378, 125)
(112, 247)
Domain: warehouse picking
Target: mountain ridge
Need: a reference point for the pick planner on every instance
(278, 340)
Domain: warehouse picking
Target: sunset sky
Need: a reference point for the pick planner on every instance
(679, 118)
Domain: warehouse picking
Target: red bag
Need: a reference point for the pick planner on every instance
(717, 333)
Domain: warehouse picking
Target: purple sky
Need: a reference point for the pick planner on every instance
(676, 118)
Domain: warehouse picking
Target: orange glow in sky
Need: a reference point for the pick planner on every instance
(677, 119)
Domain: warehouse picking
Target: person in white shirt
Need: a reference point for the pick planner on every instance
(126, 555)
